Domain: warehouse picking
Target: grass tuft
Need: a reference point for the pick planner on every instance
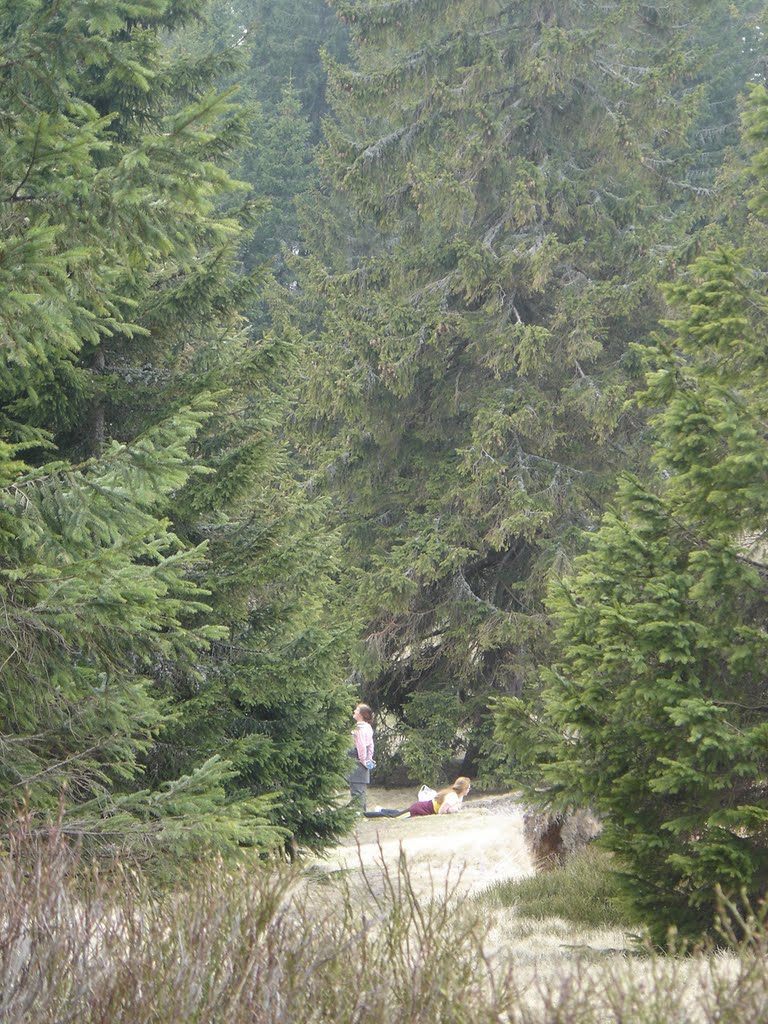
(584, 892)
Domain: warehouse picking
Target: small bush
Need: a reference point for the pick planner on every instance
(584, 892)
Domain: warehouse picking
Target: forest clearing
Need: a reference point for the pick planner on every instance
(465, 853)
(559, 969)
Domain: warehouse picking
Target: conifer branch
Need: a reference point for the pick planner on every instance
(32, 161)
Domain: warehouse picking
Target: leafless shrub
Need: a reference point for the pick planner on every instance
(267, 944)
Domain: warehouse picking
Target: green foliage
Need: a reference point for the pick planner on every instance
(517, 182)
(656, 713)
(279, 163)
(168, 521)
(93, 588)
(182, 820)
(269, 695)
(285, 75)
(281, 80)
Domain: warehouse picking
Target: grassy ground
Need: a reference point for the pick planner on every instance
(463, 852)
(582, 892)
(354, 940)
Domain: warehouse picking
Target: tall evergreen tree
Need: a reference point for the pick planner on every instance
(120, 314)
(286, 77)
(520, 178)
(656, 713)
(273, 701)
(269, 696)
(94, 581)
(283, 82)
(289, 38)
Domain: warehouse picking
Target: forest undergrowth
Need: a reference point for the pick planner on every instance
(267, 943)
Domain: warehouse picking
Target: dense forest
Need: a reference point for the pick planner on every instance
(410, 351)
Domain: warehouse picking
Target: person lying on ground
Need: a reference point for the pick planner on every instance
(447, 801)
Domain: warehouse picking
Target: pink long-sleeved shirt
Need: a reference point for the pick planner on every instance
(363, 737)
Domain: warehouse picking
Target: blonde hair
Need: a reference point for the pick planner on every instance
(460, 787)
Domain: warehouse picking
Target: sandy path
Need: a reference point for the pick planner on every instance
(465, 852)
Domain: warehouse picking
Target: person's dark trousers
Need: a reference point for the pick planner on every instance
(358, 791)
(358, 779)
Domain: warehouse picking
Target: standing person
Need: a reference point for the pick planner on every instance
(360, 776)
(447, 801)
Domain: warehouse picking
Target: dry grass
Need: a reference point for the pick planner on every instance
(470, 850)
(368, 947)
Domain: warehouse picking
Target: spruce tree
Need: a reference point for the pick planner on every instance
(281, 80)
(656, 712)
(289, 39)
(520, 179)
(269, 696)
(280, 165)
(128, 371)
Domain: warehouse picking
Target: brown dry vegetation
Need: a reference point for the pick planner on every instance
(466, 853)
(363, 937)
